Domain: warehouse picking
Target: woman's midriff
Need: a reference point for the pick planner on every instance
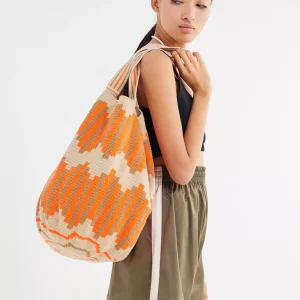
(159, 161)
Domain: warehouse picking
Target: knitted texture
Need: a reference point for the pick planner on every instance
(96, 202)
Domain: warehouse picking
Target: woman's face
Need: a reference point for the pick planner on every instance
(173, 13)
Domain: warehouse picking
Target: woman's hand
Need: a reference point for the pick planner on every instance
(193, 71)
(205, 292)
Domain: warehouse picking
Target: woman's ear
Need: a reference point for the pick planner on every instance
(154, 5)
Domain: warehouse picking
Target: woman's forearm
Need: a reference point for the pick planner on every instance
(194, 132)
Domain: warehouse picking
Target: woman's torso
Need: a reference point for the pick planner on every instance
(158, 161)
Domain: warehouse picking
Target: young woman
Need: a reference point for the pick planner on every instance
(173, 94)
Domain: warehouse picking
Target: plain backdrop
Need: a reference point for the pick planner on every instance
(58, 56)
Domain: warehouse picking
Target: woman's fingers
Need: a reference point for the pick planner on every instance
(205, 292)
(198, 56)
(188, 58)
(178, 61)
(184, 57)
(192, 58)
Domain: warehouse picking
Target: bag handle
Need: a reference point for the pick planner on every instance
(131, 70)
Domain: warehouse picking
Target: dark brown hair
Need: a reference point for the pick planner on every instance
(147, 38)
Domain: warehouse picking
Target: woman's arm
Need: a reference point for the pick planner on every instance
(194, 132)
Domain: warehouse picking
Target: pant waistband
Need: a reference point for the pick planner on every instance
(162, 174)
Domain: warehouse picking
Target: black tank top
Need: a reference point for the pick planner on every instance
(184, 100)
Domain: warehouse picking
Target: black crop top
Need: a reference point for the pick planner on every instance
(184, 100)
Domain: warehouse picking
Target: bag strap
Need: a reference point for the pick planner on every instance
(131, 70)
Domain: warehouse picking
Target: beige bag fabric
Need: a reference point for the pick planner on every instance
(96, 202)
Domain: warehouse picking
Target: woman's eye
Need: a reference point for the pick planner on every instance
(200, 5)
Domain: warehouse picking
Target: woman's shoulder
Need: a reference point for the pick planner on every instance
(158, 69)
(157, 57)
(157, 63)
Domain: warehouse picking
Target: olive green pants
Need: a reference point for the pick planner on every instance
(166, 261)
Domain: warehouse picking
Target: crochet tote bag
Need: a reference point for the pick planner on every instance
(96, 202)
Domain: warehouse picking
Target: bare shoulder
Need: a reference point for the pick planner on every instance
(156, 72)
(155, 59)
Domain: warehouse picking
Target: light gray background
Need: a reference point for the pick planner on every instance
(58, 56)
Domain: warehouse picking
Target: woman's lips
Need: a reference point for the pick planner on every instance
(186, 29)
